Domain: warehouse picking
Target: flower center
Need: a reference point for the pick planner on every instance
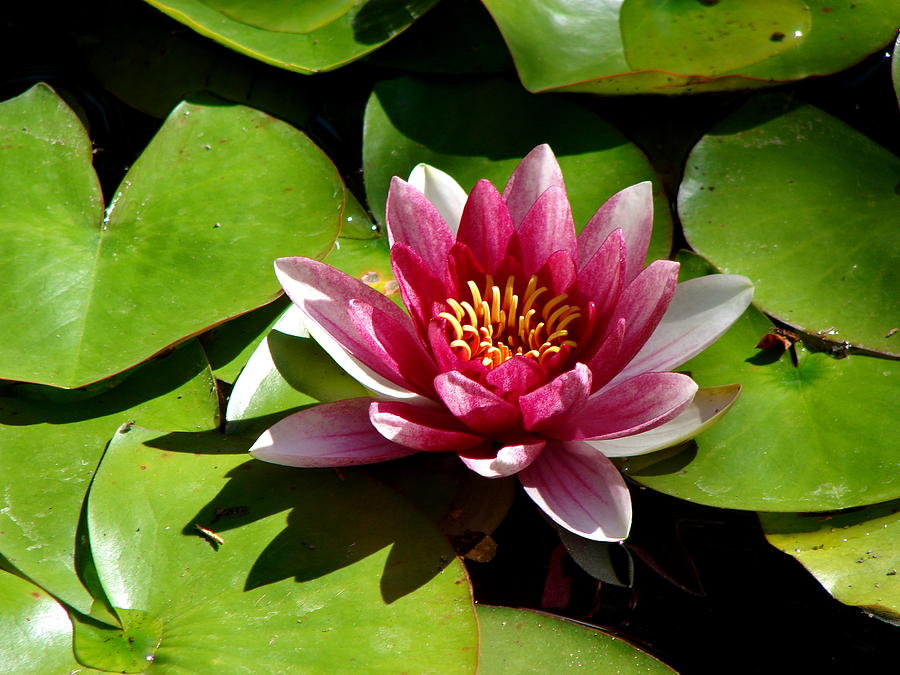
(497, 325)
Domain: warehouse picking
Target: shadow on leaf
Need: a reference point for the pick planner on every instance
(333, 521)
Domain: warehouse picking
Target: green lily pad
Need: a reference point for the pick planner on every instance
(814, 436)
(895, 69)
(306, 37)
(284, 16)
(129, 648)
(807, 208)
(466, 507)
(287, 369)
(89, 294)
(35, 631)
(483, 128)
(524, 641)
(458, 37)
(242, 562)
(49, 450)
(359, 251)
(285, 372)
(152, 64)
(229, 345)
(854, 555)
(684, 46)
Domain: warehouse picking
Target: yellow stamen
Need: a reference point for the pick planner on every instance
(473, 318)
(476, 296)
(569, 319)
(454, 323)
(551, 304)
(499, 324)
(457, 309)
(464, 346)
(558, 313)
(495, 304)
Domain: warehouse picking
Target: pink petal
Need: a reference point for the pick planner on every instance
(604, 363)
(557, 273)
(709, 404)
(478, 408)
(442, 191)
(700, 311)
(423, 295)
(420, 428)
(642, 304)
(446, 358)
(511, 458)
(635, 405)
(463, 267)
(602, 277)
(486, 225)
(329, 434)
(547, 227)
(515, 377)
(326, 298)
(630, 210)
(392, 342)
(537, 171)
(413, 220)
(581, 490)
(548, 406)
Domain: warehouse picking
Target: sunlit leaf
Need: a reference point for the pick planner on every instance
(243, 562)
(809, 209)
(50, 447)
(305, 37)
(522, 641)
(186, 242)
(482, 129)
(854, 555)
(35, 631)
(682, 46)
(813, 436)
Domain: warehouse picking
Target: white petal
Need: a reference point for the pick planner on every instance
(510, 459)
(261, 366)
(303, 291)
(329, 434)
(701, 310)
(291, 323)
(709, 404)
(441, 190)
(581, 490)
(359, 371)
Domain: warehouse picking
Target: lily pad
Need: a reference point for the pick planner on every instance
(854, 555)
(483, 128)
(152, 64)
(807, 208)
(287, 370)
(306, 37)
(90, 293)
(232, 556)
(229, 345)
(895, 69)
(683, 46)
(35, 631)
(359, 251)
(814, 436)
(523, 641)
(458, 37)
(49, 450)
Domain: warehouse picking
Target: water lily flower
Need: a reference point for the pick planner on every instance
(526, 349)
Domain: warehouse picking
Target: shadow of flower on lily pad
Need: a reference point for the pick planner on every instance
(335, 520)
